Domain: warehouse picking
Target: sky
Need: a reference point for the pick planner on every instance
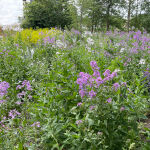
(10, 10)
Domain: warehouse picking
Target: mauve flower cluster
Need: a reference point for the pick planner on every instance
(3, 88)
(133, 42)
(25, 84)
(13, 113)
(86, 81)
(48, 40)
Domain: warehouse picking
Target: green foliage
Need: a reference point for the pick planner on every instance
(52, 115)
(46, 14)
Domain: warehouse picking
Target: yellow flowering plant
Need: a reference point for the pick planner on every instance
(34, 36)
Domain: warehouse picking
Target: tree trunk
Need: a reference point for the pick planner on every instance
(129, 14)
(108, 15)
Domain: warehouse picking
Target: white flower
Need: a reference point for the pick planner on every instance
(57, 53)
(88, 48)
(32, 53)
(90, 41)
(142, 61)
(60, 44)
(74, 40)
(117, 45)
(86, 33)
(122, 50)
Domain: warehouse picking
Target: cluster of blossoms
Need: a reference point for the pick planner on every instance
(5, 53)
(25, 84)
(86, 81)
(13, 113)
(49, 40)
(3, 88)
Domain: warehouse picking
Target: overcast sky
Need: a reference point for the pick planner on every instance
(10, 10)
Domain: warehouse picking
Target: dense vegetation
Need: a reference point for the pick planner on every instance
(72, 91)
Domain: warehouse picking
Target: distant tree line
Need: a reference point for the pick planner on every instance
(91, 14)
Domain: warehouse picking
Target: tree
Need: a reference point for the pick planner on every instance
(46, 13)
(110, 8)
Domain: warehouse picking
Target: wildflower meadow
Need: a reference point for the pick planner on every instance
(67, 90)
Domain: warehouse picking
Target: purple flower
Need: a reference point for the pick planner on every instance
(106, 73)
(79, 104)
(21, 95)
(2, 101)
(94, 65)
(96, 73)
(99, 81)
(13, 114)
(92, 107)
(26, 84)
(79, 122)
(29, 96)
(92, 94)
(36, 124)
(82, 93)
(124, 83)
(18, 103)
(3, 88)
(19, 87)
(116, 86)
(76, 31)
(109, 100)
